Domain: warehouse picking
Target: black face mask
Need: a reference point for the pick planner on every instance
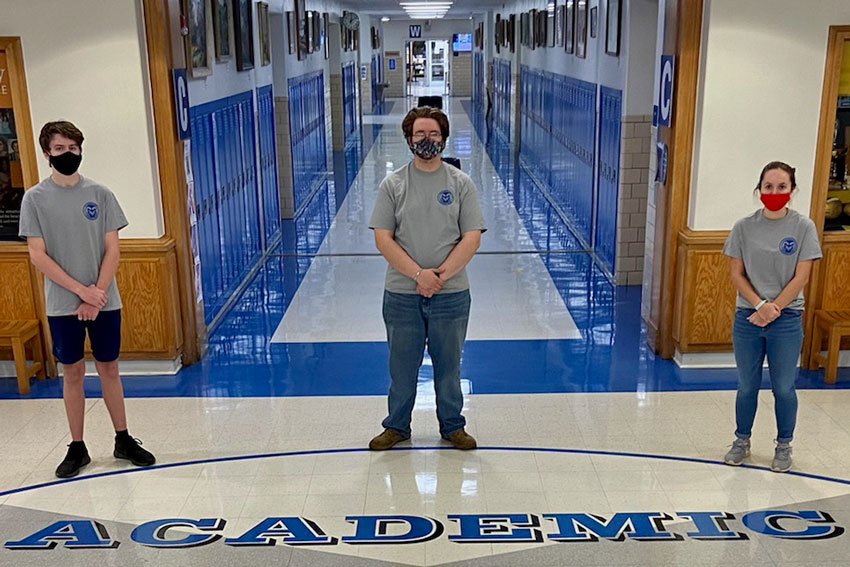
(67, 163)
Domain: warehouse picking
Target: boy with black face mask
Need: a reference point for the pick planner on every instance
(427, 225)
(71, 225)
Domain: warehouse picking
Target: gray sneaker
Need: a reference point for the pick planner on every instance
(781, 458)
(740, 450)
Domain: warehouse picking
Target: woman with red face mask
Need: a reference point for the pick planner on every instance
(771, 253)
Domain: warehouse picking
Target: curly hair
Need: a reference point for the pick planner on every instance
(425, 112)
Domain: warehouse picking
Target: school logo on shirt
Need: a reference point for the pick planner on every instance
(91, 210)
(445, 197)
(788, 246)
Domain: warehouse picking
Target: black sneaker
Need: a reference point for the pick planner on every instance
(76, 458)
(130, 448)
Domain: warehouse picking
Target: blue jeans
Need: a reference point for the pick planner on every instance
(781, 341)
(413, 321)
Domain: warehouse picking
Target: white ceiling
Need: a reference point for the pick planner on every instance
(391, 8)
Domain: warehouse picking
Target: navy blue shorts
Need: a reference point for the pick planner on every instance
(69, 337)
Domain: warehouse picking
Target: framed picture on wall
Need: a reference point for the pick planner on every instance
(612, 28)
(512, 32)
(594, 21)
(301, 29)
(550, 23)
(243, 28)
(542, 22)
(290, 31)
(326, 25)
(318, 46)
(497, 29)
(221, 29)
(532, 26)
(198, 57)
(524, 29)
(581, 28)
(570, 26)
(263, 29)
(559, 26)
(308, 32)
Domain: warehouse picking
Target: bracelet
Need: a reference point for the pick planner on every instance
(416, 277)
(760, 303)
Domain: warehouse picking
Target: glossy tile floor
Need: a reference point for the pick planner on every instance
(584, 435)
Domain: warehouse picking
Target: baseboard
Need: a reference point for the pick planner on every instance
(727, 359)
(126, 367)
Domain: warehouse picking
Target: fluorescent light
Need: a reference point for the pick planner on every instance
(432, 4)
(385, 19)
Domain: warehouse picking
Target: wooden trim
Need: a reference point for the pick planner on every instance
(823, 152)
(27, 144)
(689, 25)
(161, 59)
(29, 149)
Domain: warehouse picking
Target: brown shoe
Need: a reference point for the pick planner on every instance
(462, 440)
(386, 440)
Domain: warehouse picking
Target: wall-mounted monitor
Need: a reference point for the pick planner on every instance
(462, 42)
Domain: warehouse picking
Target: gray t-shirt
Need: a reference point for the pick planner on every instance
(428, 213)
(771, 249)
(73, 222)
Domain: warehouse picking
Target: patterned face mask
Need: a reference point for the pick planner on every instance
(427, 148)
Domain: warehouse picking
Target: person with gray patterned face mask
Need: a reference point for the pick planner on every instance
(428, 225)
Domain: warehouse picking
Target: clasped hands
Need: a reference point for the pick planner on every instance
(430, 281)
(94, 299)
(765, 314)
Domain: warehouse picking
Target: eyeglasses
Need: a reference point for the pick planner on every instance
(433, 136)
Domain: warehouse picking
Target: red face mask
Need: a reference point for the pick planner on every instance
(775, 201)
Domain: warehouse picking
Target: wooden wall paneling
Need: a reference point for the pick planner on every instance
(838, 35)
(705, 295)
(145, 283)
(164, 46)
(836, 276)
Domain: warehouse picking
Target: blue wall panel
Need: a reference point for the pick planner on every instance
(349, 102)
(558, 141)
(501, 111)
(610, 116)
(268, 163)
(226, 194)
(307, 132)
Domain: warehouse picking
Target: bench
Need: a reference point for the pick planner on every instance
(18, 334)
(835, 324)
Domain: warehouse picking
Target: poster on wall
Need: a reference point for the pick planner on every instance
(197, 40)
(221, 29)
(550, 23)
(512, 32)
(11, 170)
(243, 28)
(581, 28)
(532, 25)
(265, 40)
(570, 26)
